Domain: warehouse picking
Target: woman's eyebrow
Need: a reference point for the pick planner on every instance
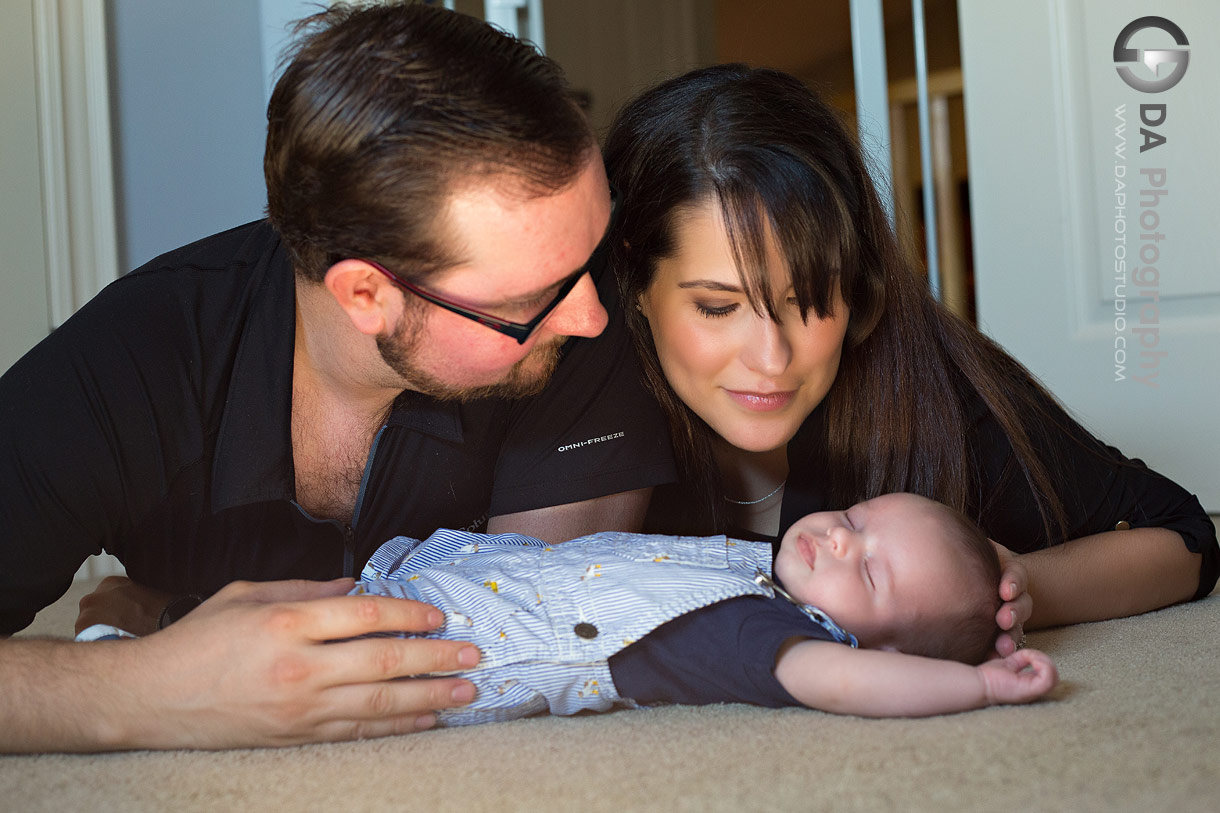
(711, 285)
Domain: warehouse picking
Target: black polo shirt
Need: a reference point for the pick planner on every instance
(155, 425)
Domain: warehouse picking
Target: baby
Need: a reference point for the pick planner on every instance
(880, 610)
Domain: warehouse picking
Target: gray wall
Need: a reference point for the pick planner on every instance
(187, 91)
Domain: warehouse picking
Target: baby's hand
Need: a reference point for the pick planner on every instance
(1025, 675)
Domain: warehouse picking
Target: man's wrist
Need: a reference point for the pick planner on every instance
(176, 608)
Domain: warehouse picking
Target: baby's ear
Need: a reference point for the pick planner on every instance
(891, 641)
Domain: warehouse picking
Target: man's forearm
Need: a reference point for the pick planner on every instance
(1110, 575)
(64, 696)
(559, 523)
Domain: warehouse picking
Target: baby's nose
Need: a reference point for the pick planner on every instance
(839, 541)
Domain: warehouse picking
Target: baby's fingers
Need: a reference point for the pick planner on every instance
(1037, 669)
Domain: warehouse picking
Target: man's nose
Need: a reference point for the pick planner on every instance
(580, 313)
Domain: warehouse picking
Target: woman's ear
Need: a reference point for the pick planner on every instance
(639, 306)
(365, 295)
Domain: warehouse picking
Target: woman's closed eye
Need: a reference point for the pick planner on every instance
(714, 311)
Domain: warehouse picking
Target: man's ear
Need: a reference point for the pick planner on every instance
(366, 295)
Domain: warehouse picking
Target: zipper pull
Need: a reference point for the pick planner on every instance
(349, 554)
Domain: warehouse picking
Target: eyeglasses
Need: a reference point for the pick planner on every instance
(521, 331)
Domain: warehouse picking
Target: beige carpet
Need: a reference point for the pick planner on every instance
(1134, 726)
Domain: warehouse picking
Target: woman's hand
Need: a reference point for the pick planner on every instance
(1018, 606)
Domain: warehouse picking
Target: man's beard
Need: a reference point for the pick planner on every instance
(527, 377)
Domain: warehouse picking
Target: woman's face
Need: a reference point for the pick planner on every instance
(754, 381)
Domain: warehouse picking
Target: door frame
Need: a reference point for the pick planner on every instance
(76, 155)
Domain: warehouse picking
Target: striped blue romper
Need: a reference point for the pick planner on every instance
(547, 617)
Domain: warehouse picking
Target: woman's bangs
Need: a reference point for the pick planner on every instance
(810, 229)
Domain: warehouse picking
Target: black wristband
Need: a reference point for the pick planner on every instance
(177, 607)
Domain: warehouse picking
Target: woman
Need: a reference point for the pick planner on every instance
(804, 366)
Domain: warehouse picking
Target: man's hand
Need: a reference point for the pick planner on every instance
(120, 602)
(1021, 677)
(249, 667)
(1018, 606)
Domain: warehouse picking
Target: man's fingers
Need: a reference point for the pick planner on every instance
(337, 617)
(112, 582)
(368, 660)
(322, 611)
(287, 590)
(344, 730)
(395, 699)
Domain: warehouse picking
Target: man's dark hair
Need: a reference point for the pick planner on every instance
(383, 109)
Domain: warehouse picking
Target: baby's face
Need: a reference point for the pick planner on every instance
(877, 568)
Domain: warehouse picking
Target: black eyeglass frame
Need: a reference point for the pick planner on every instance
(521, 331)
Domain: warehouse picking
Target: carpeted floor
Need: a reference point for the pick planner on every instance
(1135, 726)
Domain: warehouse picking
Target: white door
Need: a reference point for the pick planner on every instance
(57, 231)
(1094, 206)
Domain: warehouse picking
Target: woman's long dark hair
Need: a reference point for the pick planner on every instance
(777, 159)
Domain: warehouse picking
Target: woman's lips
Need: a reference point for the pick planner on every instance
(761, 401)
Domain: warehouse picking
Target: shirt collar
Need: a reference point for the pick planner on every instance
(422, 413)
(253, 457)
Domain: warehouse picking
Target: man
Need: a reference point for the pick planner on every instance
(275, 401)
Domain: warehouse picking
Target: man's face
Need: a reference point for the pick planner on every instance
(514, 253)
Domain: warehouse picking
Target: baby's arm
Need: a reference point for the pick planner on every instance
(876, 683)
